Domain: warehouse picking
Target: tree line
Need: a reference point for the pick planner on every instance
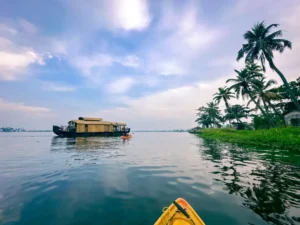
(251, 84)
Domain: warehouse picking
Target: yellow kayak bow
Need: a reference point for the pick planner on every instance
(180, 212)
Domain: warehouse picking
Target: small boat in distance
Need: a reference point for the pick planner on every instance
(87, 126)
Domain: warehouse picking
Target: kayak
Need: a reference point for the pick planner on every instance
(180, 212)
(126, 136)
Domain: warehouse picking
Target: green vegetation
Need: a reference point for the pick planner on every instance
(279, 138)
(268, 103)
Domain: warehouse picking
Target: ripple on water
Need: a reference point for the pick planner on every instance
(88, 180)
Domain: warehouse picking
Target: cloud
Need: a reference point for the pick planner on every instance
(15, 56)
(21, 107)
(178, 41)
(130, 14)
(7, 29)
(120, 86)
(130, 61)
(13, 65)
(48, 86)
(87, 63)
(93, 67)
(114, 14)
(28, 27)
(170, 109)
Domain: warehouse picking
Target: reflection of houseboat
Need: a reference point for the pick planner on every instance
(86, 126)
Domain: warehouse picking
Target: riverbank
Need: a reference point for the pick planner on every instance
(279, 138)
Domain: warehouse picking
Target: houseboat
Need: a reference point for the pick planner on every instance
(87, 126)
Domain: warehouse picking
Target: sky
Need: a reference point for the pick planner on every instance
(150, 63)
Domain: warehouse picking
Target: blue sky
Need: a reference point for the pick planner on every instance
(147, 63)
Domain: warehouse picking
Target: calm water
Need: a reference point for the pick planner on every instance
(49, 180)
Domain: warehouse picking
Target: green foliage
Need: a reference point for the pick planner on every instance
(261, 43)
(260, 122)
(295, 121)
(242, 126)
(279, 138)
(236, 112)
(209, 116)
(250, 83)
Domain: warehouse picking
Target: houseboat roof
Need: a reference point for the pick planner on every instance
(90, 119)
(95, 122)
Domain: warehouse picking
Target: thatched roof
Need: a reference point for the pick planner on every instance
(90, 119)
(98, 122)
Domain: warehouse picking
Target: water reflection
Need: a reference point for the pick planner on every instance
(268, 185)
(49, 180)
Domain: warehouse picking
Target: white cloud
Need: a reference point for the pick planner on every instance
(28, 27)
(87, 63)
(48, 86)
(12, 65)
(130, 61)
(7, 29)
(114, 14)
(130, 14)
(16, 51)
(170, 109)
(21, 107)
(92, 66)
(179, 40)
(120, 86)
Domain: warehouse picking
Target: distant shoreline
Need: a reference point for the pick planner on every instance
(25, 131)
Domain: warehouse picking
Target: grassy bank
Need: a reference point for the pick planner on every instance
(279, 138)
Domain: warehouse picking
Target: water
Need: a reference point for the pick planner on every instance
(96, 180)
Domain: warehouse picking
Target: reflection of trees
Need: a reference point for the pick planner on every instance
(269, 188)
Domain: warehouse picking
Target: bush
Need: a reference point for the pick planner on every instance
(295, 122)
(242, 126)
(260, 122)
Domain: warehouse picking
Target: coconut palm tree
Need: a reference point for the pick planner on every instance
(242, 87)
(263, 94)
(225, 94)
(204, 120)
(261, 44)
(237, 112)
(210, 115)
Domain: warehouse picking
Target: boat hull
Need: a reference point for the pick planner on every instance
(182, 214)
(61, 133)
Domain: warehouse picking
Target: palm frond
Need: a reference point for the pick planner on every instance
(274, 34)
(286, 43)
(268, 28)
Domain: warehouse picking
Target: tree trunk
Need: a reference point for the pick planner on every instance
(268, 112)
(286, 84)
(260, 108)
(274, 109)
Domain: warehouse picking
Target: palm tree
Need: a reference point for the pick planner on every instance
(225, 94)
(238, 112)
(263, 94)
(209, 116)
(204, 120)
(260, 46)
(242, 86)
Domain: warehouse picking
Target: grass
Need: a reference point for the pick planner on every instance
(278, 138)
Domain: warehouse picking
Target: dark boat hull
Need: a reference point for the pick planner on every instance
(61, 133)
